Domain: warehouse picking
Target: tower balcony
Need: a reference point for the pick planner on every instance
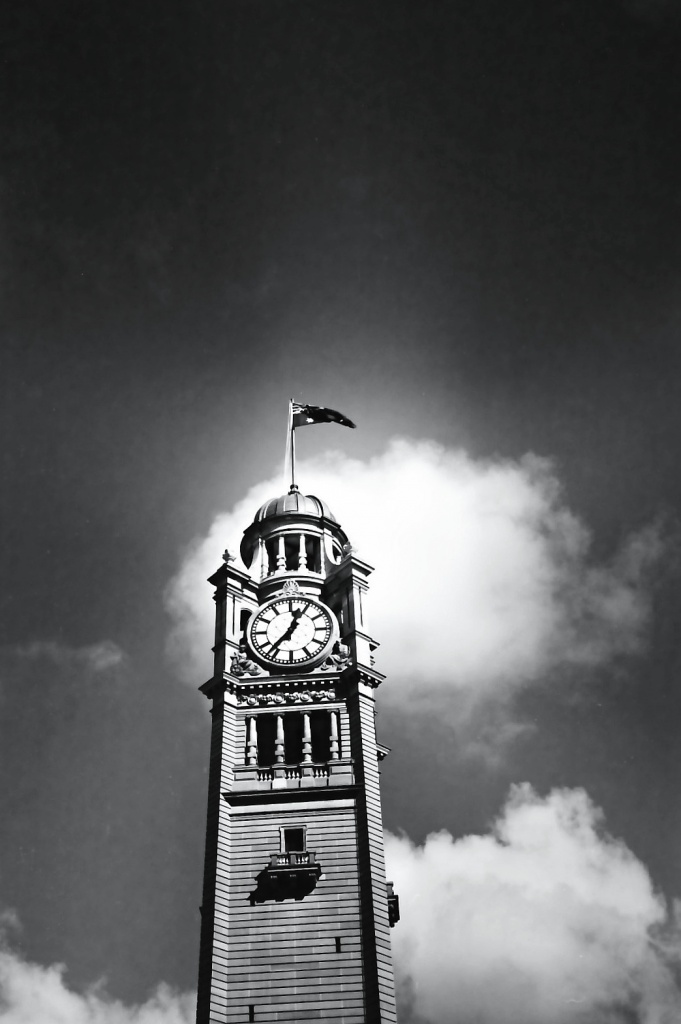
(289, 875)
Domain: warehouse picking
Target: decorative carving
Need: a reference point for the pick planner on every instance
(290, 587)
(339, 657)
(227, 556)
(292, 697)
(242, 664)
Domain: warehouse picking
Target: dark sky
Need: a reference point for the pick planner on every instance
(456, 221)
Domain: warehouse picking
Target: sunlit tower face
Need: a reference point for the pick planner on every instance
(296, 911)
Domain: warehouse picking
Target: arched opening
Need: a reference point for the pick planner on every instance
(291, 551)
(313, 554)
(320, 726)
(266, 738)
(293, 737)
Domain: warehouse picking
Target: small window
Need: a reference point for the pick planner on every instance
(293, 840)
(338, 610)
(251, 1012)
(244, 616)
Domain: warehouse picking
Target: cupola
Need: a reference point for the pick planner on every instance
(294, 534)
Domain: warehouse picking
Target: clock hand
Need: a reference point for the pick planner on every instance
(288, 632)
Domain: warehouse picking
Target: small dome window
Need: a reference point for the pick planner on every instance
(292, 550)
(313, 554)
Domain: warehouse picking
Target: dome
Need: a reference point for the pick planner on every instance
(294, 503)
(295, 532)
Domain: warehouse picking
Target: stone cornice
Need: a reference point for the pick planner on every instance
(213, 687)
(363, 674)
(309, 689)
(257, 796)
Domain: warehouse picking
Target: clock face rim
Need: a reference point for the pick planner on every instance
(302, 663)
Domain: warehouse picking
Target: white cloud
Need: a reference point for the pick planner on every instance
(546, 920)
(32, 994)
(95, 657)
(483, 581)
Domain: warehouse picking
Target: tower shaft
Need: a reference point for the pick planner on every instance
(295, 915)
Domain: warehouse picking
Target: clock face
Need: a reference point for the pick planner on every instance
(291, 632)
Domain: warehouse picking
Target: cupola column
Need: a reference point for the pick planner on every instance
(279, 753)
(281, 555)
(252, 740)
(333, 742)
(307, 738)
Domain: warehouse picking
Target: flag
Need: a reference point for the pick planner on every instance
(304, 415)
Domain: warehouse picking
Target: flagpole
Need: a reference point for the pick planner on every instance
(287, 445)
(292, 441)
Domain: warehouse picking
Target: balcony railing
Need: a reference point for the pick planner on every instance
(293, 771)
(292, 859)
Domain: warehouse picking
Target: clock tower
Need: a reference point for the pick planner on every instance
(296, 911)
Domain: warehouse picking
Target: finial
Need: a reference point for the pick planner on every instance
(227, 556)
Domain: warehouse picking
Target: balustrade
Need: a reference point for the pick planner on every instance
(292, 858)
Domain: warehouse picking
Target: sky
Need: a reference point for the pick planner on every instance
(458, 224)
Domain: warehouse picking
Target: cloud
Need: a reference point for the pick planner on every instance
(96, 657)
(32, 994)
(484, 578)
(546, 920)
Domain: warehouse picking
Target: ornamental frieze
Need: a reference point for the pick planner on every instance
(291, 697)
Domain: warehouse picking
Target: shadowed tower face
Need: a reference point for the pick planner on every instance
(296, 914)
